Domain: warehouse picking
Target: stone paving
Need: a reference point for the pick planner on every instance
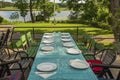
(115, 71)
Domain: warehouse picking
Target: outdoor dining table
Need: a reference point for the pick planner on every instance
(61, 58)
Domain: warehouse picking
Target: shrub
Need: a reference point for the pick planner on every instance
(104, 26)
(1, 19)
(100, 25)
(95, 24)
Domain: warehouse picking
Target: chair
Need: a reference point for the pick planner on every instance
(106, 71)
(30, 50)
(30, 40)
(5, 41)
(24, 41)
(107, 57)
(91, 53)
(15, 61)
(6, 74)
(1, 40)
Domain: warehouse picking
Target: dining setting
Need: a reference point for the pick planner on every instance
(59, 58)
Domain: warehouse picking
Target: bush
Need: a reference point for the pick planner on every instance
(100, 25)
(95, 24)
(104, 26)
(1, 19)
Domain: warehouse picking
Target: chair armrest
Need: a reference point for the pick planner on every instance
(24, 52)
(106, 66)
(87, 54)
(9, 62)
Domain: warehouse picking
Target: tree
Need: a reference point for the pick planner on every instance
(31, 5)
(114, 19)
(90, 9)
(14, 16)
(87, 9)
(46, 9)
(22, 5)
(1, 19)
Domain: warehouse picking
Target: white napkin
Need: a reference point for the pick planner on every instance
(79, 64)
(45, 75)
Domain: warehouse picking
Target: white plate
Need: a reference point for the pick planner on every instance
(79, 64)
(65, 33)
(47, 48)
(68, 44)
(66, 40)
(48, 41)
(65, 36)
(47, 66)
(47, 36)
(48, 33)
(73, 51)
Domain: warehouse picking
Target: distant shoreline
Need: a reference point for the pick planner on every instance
(15, 9)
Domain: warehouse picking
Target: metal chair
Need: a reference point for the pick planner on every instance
(6, 74)
(29, 50)
(5, 41)
(15, 61)
(107, 57)
(106, 71)
(30, 40)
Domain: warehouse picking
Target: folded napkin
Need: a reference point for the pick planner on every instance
(45, 75)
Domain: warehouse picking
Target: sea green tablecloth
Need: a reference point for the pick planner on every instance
(59, 56)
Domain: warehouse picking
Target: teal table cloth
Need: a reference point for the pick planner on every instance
(61, 58)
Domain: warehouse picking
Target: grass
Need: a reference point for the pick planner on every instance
(9, 9)
(86, 28)
(90, 30)
(40, 24)
(16, 9)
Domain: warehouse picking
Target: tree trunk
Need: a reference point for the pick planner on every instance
(114, 4)
(24, 19)
(44, 11)
(31, 14)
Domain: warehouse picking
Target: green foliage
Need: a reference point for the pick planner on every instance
(4, 4)
(46, 10)
(62, 5)
(94, 12)
(22, 5)
(116, 26)
(90, 11)
(74, 15)
(1, 19)
(14, 16)
(100, 25)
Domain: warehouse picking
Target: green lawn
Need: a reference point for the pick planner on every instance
(8, 9)
(87, 28)
(71, 28)
(38, 24)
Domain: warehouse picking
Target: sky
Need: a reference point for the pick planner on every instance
(57, 1)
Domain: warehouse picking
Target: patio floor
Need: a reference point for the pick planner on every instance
(115, 71)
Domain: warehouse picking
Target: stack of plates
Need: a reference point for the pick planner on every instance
(79, 64)
(73, 51)
(68, 44)
(46, 66)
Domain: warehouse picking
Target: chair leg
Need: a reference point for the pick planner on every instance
(8, 52)
(110, 74)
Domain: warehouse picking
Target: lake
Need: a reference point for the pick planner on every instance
(63, 15)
